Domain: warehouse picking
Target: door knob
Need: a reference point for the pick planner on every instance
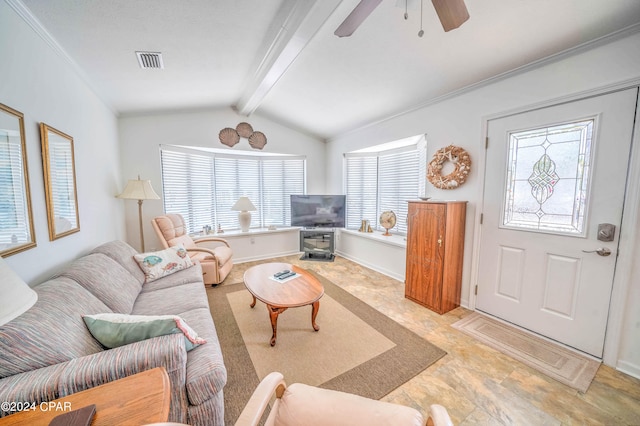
(602, 251)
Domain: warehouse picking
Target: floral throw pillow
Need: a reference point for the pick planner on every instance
(159, 264)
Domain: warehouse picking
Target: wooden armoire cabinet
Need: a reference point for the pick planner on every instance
(435, 249)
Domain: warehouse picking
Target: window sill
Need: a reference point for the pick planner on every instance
(236, 233)
(393, 239)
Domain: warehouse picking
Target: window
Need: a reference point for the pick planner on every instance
(548, 178)
(203, 184)
(384, 178)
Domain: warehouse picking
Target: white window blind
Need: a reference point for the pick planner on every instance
(188, 187)
(282, 178)
(362, 190)
(14, 216)
(398, 183)
(384, 180)
(234, 178)
(204, 185)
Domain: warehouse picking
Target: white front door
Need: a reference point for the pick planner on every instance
(552, 176)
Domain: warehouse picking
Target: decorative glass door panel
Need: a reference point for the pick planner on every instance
(547, 184)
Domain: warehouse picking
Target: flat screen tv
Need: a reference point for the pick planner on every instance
(318, 211)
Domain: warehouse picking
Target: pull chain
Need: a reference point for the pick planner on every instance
(421, 32)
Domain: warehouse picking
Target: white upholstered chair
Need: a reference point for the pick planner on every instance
(216, 262)
(300, 404)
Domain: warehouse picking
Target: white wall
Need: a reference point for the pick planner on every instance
(259, 244)
(141, 135)
(387, 255)
(39, 83)
(459, 120)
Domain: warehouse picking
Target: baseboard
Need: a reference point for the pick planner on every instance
(264, 257)
(629, 368)
(376, 268)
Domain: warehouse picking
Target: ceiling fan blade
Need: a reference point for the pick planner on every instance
(452, 13)
(356, 17)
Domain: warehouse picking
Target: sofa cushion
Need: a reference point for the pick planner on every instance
(107, 280)
(52, 331)
(122, 253)
(171, 300)
(159, 264)
(113, 330)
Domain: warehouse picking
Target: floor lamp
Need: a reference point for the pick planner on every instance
(139, 190)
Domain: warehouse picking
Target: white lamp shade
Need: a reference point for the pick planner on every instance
(17, 296)
(244, 204)
(139, 190)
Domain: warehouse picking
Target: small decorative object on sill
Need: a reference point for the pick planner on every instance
(229, 136)
(363, 226)
(369, 227)
(257, 140)
(244, 130)
(388, 221)
(460, 159)
(220, 230)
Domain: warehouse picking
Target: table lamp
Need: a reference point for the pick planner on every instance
(244, 206)
(139, 190)
(17, 296)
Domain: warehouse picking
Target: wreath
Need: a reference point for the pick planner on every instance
(461, 160)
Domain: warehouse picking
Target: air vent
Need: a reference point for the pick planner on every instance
(150, 60)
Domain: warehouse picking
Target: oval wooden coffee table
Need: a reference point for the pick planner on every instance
(280, 296)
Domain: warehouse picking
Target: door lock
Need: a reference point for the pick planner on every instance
(606, 232)
(602, 251)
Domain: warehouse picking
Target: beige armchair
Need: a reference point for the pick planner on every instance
(312, 406)
(216, 262)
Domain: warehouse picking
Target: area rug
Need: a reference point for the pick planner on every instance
(553, 360)
(357, 349)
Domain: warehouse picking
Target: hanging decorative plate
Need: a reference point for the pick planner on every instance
(257, 140)
(244, 130)
(460, 159)
(229, 136)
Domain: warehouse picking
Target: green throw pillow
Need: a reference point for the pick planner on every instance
(113, 330)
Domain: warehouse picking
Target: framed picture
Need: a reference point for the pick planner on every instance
(60, 182)
(16, 219)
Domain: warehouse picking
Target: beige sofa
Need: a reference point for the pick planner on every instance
(48, 352)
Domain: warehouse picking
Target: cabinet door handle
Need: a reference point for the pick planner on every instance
(440, 241)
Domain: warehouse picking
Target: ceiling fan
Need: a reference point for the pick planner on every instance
(452, 14)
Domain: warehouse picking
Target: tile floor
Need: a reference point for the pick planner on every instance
(477, 384)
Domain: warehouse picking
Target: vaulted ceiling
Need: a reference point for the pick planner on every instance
(280, 58)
